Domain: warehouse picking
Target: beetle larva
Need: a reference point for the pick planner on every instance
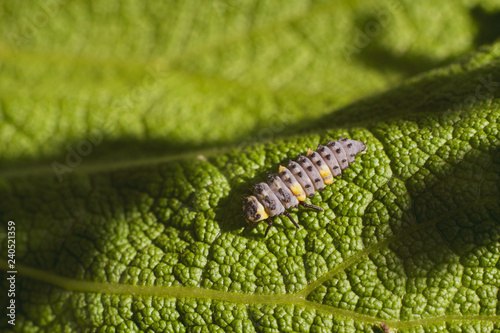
(290, 187)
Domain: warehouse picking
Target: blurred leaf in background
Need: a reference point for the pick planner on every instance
(183, 75)
(130, 131)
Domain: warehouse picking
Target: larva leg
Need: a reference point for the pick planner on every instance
(291, 219)
(269, 225)
(302, 203)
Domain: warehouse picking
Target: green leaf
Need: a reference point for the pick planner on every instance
(180, 76)
(131, 133)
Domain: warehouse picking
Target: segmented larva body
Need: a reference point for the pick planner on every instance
(299, 180)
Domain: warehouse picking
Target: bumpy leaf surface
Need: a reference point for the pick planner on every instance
(130, 134)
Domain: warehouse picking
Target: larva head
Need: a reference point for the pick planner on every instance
(253, 209)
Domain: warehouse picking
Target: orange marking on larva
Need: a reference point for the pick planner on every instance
(325, 172)
(298, 191)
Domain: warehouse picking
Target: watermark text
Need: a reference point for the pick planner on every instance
(11, 273)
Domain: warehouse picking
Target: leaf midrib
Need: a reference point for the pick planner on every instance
(105, 166)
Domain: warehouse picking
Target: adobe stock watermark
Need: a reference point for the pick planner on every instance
(76, 153)
(485, 89)
(223, 7)
(11, 272)
(30, 25)
(138, 94)
(372, 29)
(277, 123)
